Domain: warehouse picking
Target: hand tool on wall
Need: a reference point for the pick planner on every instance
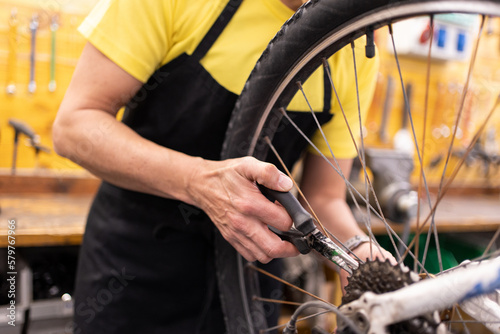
(402, 139)
(444, 106)
(54, 26)
(389, 97)
(12, 57)
(33, 29)
(21, 127)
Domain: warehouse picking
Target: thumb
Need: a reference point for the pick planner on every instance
(268, 175)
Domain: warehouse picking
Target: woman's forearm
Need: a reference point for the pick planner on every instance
(112, 151)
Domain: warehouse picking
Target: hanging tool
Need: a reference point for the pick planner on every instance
(444, 102)
(12, 57)
(389, 97)
(54, 26)
(21, 127)
(305, 235)
(402, 139)
(33, 29)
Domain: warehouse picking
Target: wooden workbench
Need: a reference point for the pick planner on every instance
(457, 213)
(52, 211)
(49, 210)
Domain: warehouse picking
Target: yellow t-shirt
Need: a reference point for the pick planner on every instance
(142, 35)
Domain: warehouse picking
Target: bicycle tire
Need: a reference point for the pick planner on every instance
(317, 30)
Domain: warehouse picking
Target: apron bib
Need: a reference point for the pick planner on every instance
(147, 264)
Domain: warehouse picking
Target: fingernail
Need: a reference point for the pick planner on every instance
(285, 182)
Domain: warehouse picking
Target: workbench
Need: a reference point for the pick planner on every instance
(48, 210)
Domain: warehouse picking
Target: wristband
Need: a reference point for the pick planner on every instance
(356, 241)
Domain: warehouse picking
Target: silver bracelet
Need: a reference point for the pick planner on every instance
(356, 241)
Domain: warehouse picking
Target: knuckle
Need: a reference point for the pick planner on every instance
(240, 225)
(243, 206)
(264, 259)
(251, 258)
(271, 250)
(268, 171)
(248, 159)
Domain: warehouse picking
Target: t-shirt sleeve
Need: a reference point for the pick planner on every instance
(135, 34)
(337, 133)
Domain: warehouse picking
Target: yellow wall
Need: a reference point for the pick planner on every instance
(37, 109)
(446, 81)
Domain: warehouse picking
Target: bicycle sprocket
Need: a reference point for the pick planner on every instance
(381, 277)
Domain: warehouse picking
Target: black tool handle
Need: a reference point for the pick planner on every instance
(295, 237)
(303, 220)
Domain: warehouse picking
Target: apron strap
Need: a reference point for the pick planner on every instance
(216, 29)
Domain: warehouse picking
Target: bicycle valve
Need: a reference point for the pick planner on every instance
(33, 28)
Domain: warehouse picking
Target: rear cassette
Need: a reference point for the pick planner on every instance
(381, 277)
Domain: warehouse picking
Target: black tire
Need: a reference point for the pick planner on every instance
(317, 30)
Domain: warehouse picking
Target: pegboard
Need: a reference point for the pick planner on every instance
(39, 49)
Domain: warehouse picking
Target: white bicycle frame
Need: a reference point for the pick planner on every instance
(467, 285)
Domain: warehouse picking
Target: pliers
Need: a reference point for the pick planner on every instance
(304, 235)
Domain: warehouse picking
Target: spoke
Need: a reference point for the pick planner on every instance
(488, 256)
(426, 109)
(363, 155)
(426, 246)
(478, 259)
(462, 320)
(492, 241)
(270, 329)
(275, 301)
(279, 279)
(351, 188)
(472, 322)
(415, 141)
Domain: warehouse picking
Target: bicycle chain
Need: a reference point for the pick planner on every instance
(380, 277)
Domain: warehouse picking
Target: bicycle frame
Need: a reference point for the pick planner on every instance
(466, 285)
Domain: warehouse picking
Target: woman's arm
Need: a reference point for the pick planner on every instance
(87, 132)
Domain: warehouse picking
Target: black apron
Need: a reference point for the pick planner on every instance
(147, 263)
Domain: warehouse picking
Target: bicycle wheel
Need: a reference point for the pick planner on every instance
(317, 31)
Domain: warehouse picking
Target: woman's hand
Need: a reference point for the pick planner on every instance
(227, 192)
